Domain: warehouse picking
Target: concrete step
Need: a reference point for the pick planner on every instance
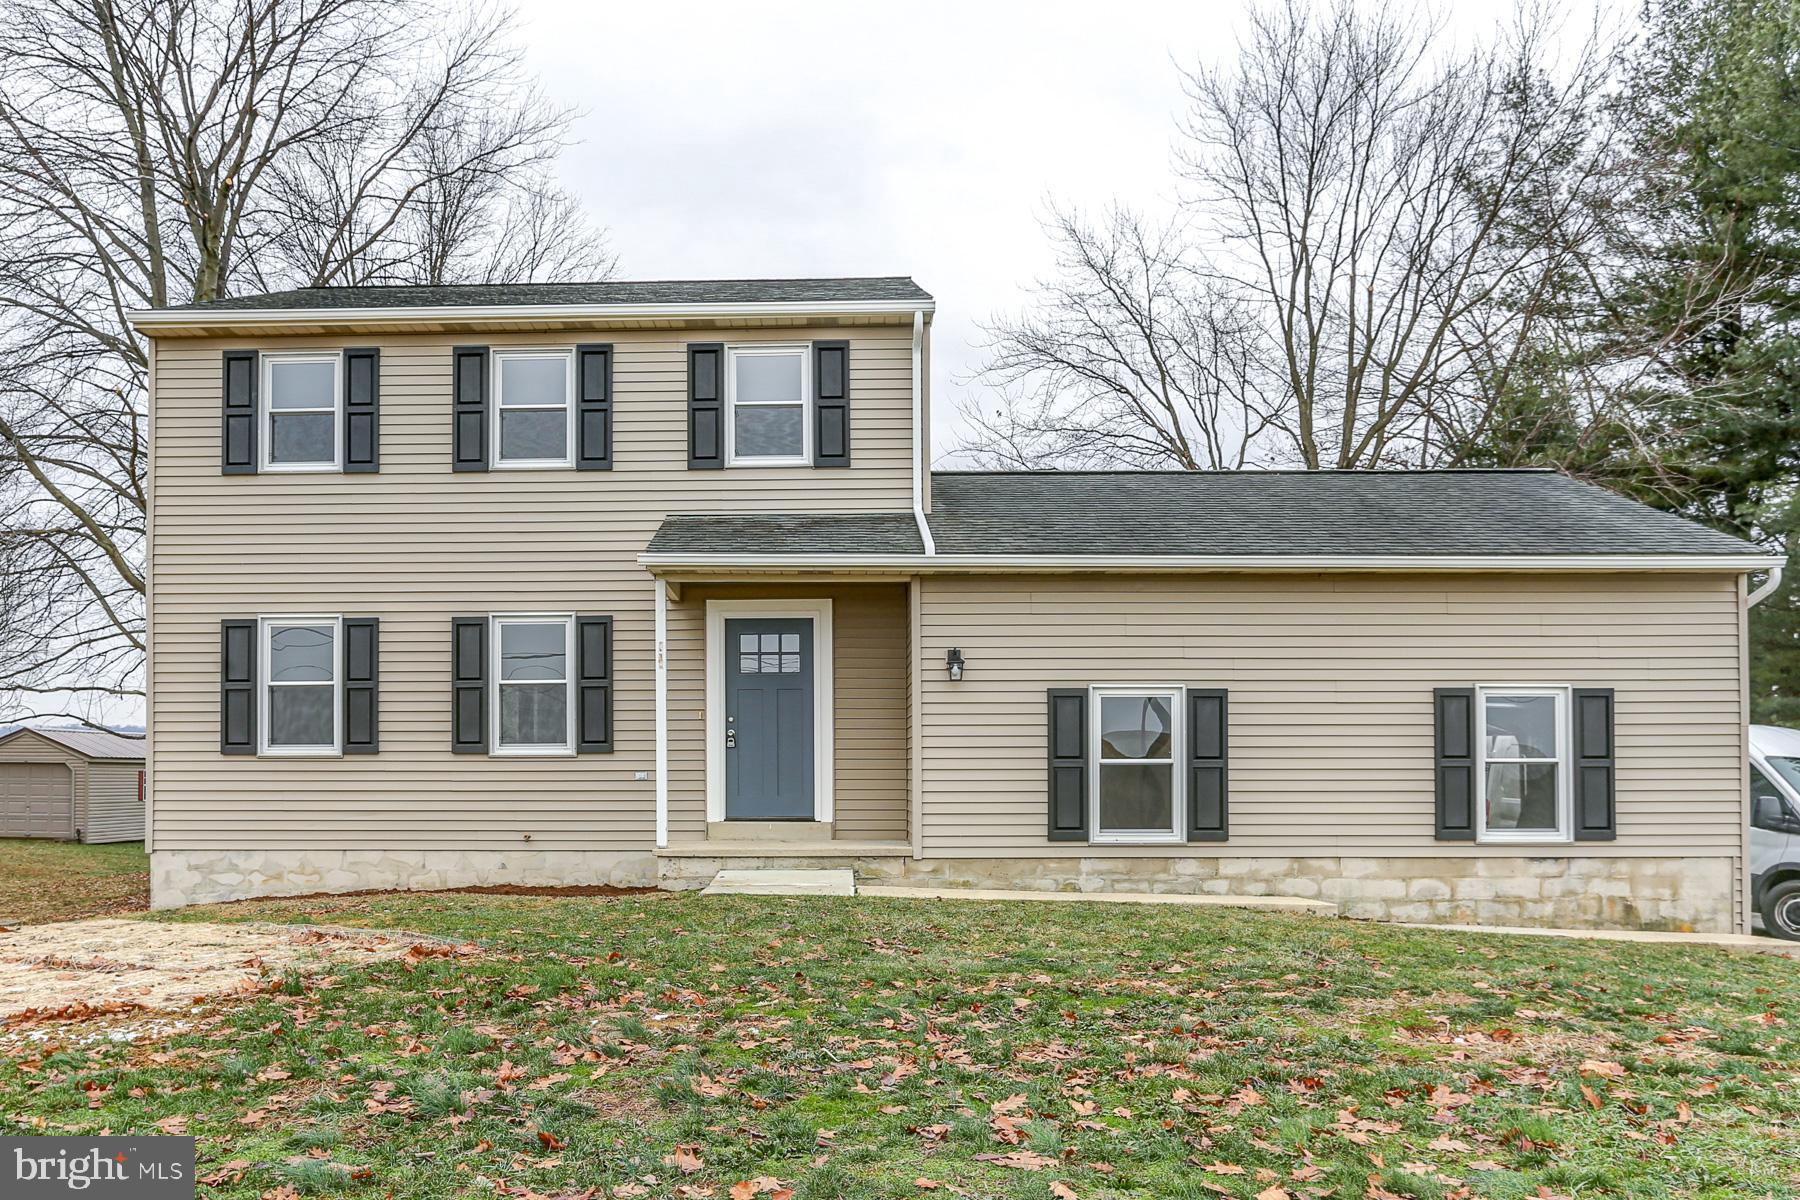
(768, 831)
(767, 882)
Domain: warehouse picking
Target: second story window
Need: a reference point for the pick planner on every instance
(767, 388)
(304, 402)
(531, 408)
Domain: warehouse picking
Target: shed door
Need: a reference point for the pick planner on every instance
(36, 800)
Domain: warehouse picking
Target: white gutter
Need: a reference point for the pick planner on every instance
(170, 318)
(1235, 562)
(1769, 585)
(918, 424)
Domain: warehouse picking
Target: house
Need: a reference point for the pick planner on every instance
(628, 582)
(83, 785)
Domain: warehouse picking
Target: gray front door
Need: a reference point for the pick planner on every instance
(769, 719)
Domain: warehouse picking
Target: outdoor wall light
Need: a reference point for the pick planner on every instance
(953, 662)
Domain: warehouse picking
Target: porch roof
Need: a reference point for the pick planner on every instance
(789, 533)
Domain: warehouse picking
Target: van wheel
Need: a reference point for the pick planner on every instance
(1781, 909)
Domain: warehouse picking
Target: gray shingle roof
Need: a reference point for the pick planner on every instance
(790, 533)
(656, 291)
(89, 743)
(1302, 513)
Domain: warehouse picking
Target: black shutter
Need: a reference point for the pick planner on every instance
(831, 404)
(468, 685)
(361, 684)
(593, 685)
(237, 687)
(1454, 721)
(469, 374)
(1596, 818)
(593, 418)
(706, 405)
(362, 410)
(1068, 765)
(1206, 748)
(237, 430)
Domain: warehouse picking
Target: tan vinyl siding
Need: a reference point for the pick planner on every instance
(114, 812)
(869, 690)
(1331, 707)
(416, 545)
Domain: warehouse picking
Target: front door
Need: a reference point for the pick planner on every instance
(769, 719)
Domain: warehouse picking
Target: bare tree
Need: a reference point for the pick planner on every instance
(155, 152)
(1370, 228)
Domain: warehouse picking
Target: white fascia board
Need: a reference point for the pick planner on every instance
(1243, 562)
(165, 318)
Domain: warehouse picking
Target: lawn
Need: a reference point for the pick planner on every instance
(60, 881)
(735, 1046)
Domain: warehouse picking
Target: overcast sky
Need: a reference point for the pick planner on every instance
(729, 140)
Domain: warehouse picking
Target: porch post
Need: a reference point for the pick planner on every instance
(662, 712)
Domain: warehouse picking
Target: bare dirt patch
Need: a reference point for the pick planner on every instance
(489, 889)
(79, 969)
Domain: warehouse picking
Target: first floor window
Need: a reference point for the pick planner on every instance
(531, 409)
(302, 399)
(767, 387)
(1137, 788)
(532, 709)
(1523, 774)
(300, 686)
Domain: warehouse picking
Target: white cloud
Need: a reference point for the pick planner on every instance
(729, 140)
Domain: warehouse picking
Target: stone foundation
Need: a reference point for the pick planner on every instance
(1687, 894)
(180, 877)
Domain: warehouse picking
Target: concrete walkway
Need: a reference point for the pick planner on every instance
(1724, 941)
(1316, 908)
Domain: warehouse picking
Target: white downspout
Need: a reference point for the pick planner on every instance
(918, 424)
(1768, 588)
(662, 712)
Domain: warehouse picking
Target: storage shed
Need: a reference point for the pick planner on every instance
(73, 784)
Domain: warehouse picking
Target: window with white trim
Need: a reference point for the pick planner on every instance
(766, 389)
(302, 711)
(1523, 775)
(533, 684)
(303, 404)
(1137, 791)
(533, 403)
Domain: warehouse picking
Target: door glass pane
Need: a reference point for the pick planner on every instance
(1521, 796)
(301, 384)
(534, 714)
(1521, 726)
(1135, 727)
(300, 716)
(534, 381)
(534, 434)
(768, 377)
(534, 651)
(301, 437)
(768, 432)
(300, 654)
(1137, 796)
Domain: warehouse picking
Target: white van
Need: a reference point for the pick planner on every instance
(1775, 828)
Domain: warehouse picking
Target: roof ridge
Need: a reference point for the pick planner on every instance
(370, 287)
(1163, 472)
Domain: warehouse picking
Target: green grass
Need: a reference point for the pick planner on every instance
(60, 881)
(854, 1048)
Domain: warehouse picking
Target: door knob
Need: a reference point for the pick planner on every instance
(731, 739)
